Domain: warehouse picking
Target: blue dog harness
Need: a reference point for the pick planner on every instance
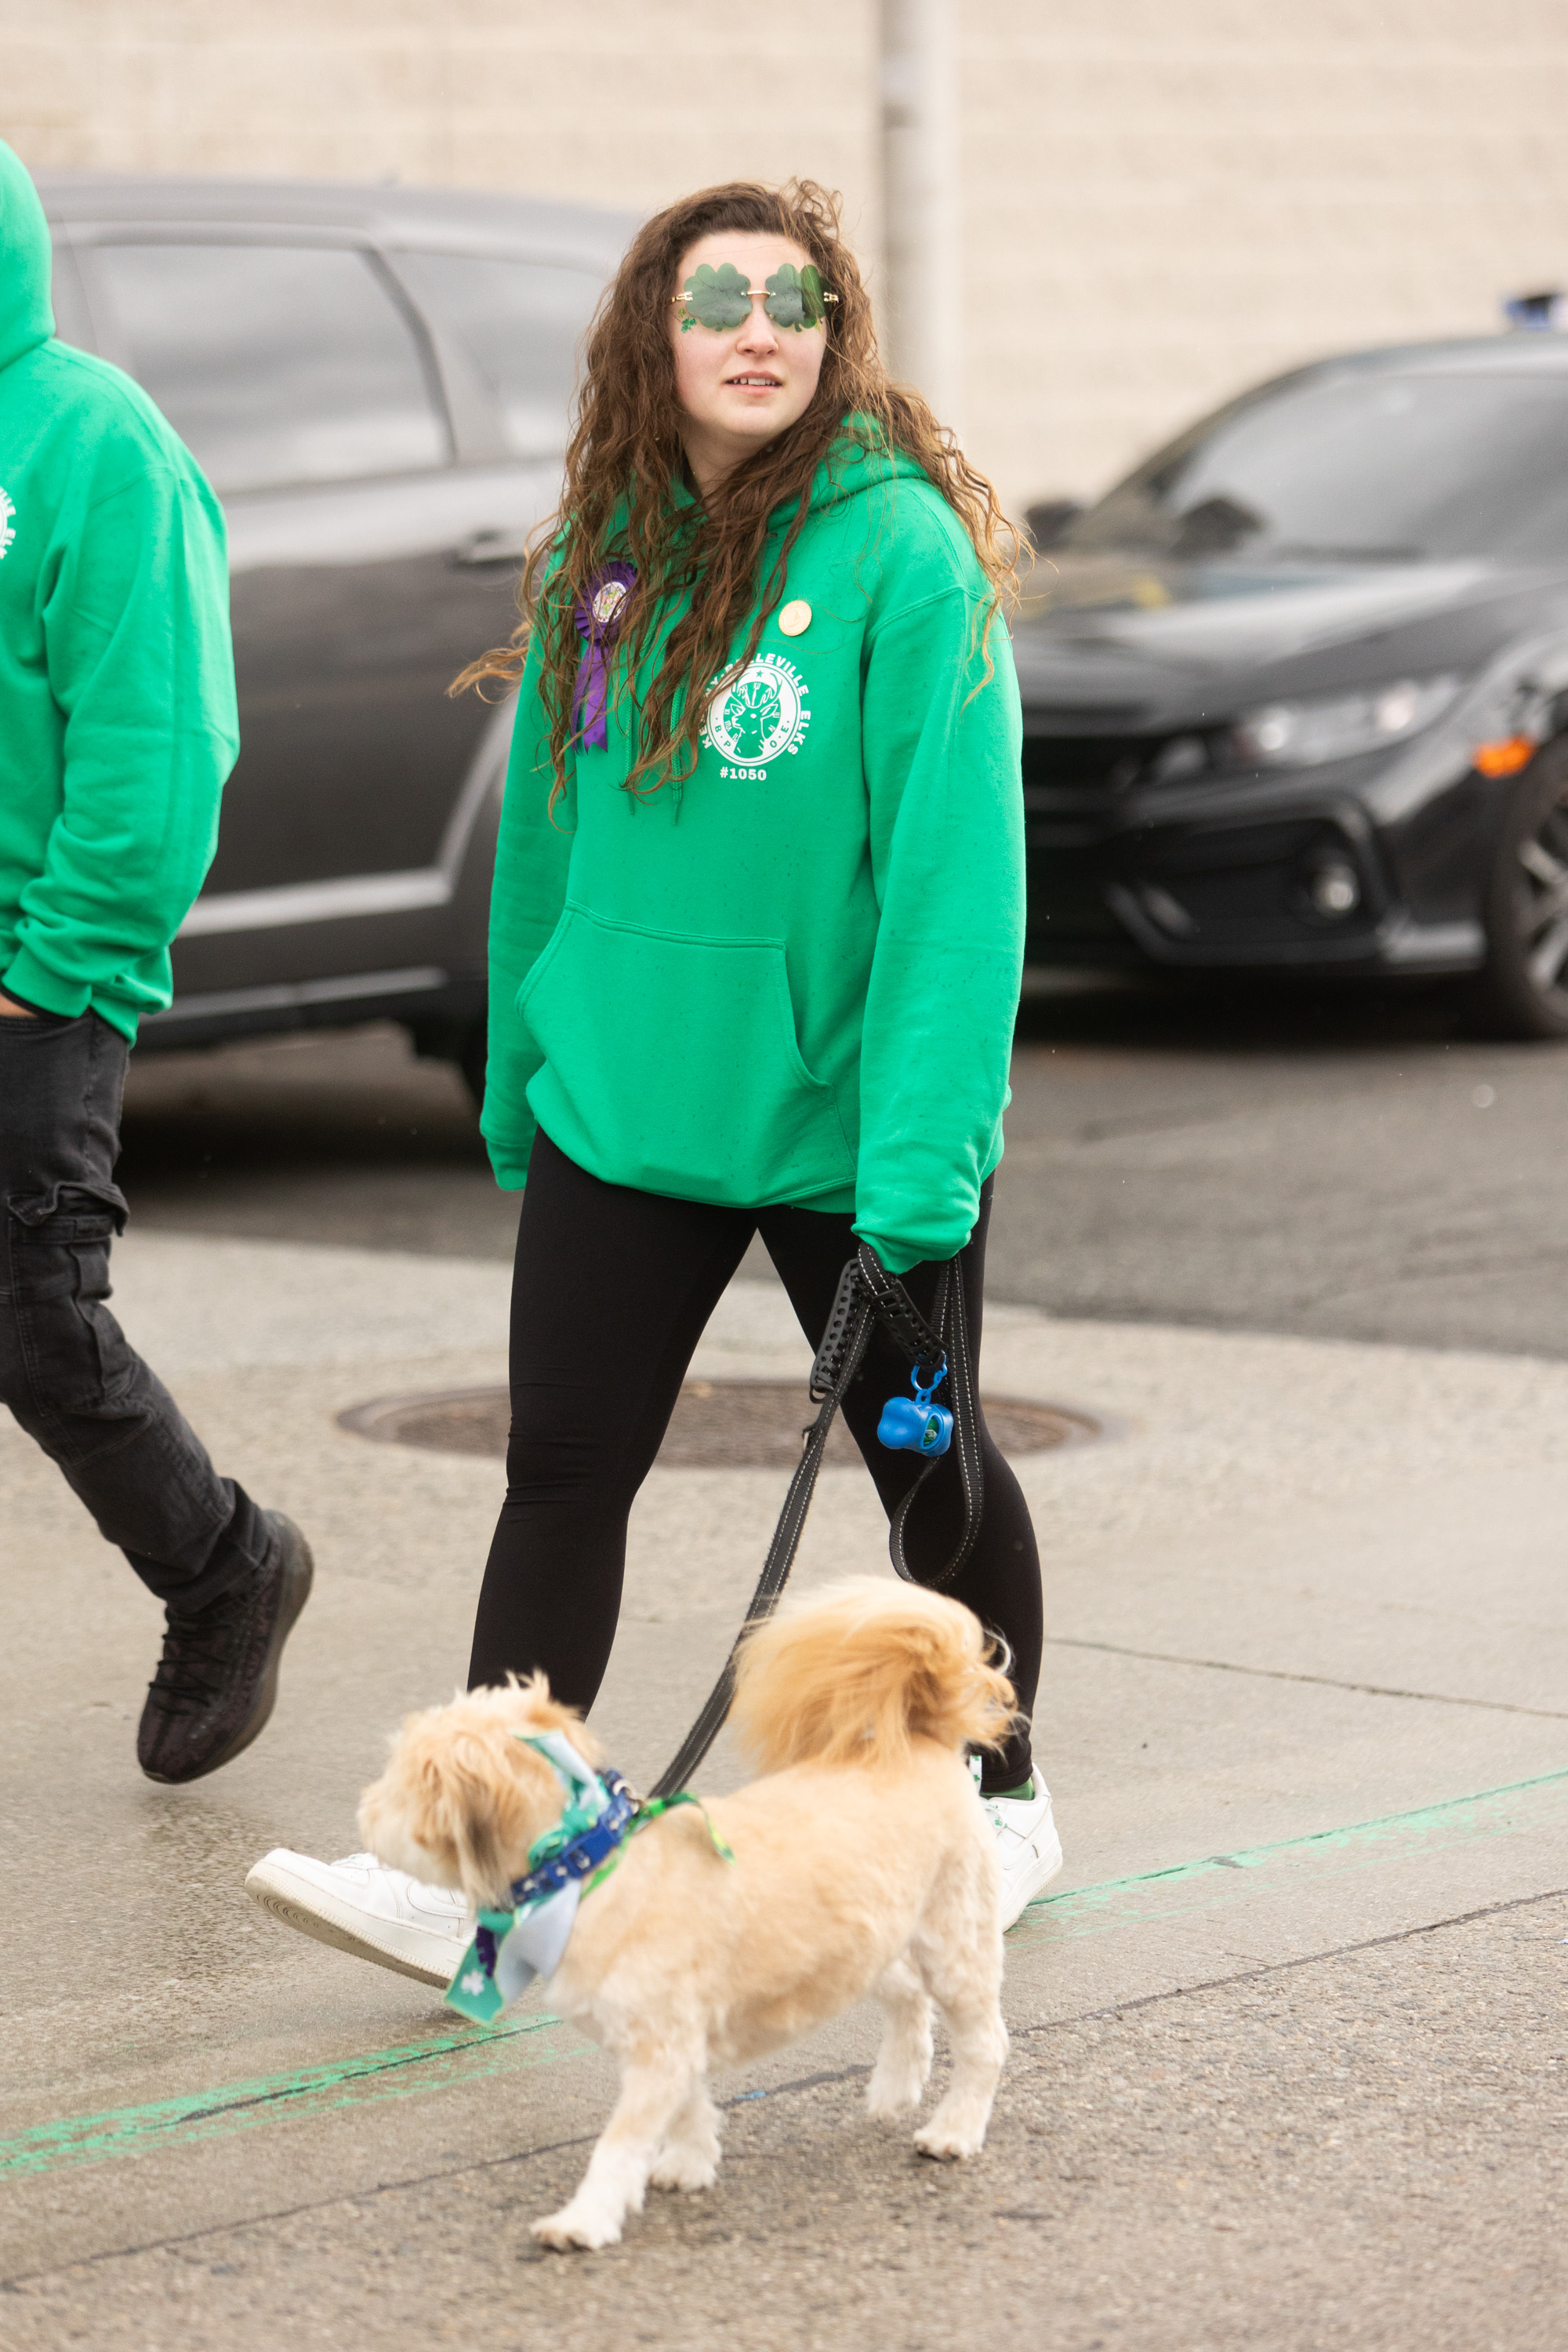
(510, 1948)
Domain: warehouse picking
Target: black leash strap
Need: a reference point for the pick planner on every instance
(868, 1294)
(925, 1348)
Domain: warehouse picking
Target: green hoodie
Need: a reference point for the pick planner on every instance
(794, 979)
(117, 716)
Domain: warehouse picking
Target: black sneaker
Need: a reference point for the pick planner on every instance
(216, 1682)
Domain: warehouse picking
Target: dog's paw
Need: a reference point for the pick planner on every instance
(573, 2228)
(893, 2094)
(948, 2141)
(685, 2169)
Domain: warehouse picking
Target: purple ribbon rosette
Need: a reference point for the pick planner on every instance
(598, 617)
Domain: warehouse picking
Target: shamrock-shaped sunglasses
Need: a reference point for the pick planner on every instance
(721, 298)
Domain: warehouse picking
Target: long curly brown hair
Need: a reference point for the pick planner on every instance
(626, 449)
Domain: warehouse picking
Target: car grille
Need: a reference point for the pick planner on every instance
(1070, 784)
(1069, 776)
(1068, 772)
(1102, 874)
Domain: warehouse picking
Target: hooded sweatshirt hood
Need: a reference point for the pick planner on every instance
(857, 460)
(117, 716)
(860, 460)
(27, 316)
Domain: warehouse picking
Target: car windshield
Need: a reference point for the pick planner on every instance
(1357, 466)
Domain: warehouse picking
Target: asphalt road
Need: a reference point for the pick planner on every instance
(1335, 1165)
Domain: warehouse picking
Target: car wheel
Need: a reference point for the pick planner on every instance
(470, 1059)
(1525, 988)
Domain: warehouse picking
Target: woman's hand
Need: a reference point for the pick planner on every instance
(11, 1010)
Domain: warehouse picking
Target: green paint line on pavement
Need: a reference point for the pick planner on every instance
(472, 2055)
(414, 2066)
(1221, 1879)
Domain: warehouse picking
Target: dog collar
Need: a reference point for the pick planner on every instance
(511, 1947)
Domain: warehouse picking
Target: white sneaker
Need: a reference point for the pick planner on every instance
(1027, 1847)
(360, 1905)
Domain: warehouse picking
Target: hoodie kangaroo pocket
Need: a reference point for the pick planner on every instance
(671, 1064)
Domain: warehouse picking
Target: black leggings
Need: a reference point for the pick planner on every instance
(612, 1291)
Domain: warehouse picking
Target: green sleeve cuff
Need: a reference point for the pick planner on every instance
(508, 1128)
(33, 983)
(509, 1163)
(894, 1256)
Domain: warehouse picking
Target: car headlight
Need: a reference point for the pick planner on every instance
(1336, 727)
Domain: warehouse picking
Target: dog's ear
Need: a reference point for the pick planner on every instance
(491, 1828)
(485, 1817)
(456, 1807)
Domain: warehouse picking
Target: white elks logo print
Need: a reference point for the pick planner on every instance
(8, 528)
(759, 716)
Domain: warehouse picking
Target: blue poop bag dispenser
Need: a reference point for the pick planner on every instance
(912, 1424)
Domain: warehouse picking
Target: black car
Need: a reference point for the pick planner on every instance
(1296, 692)
(376, 382)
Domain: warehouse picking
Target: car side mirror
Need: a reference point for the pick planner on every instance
(1049, 522)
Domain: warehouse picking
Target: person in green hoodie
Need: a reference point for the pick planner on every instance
(756, 939)
(117, 733)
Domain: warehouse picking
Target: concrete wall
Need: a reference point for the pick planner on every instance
(1162, 198)
(624, 101)
(1167, 198)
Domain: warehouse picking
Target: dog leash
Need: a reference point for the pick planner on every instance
(867, 1295)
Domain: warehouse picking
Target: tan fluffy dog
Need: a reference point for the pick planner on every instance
(862, 1865)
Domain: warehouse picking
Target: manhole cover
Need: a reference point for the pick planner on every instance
(716, 1426)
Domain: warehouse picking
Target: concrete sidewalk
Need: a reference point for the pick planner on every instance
(1307, 1692)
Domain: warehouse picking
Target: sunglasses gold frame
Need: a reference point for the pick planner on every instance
(675, 299)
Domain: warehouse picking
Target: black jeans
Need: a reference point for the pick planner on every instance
(67, 1370)
(610, 1295)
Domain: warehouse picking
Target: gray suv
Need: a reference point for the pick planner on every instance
(376, 382)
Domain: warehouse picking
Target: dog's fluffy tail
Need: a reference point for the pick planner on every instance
(851, 1676)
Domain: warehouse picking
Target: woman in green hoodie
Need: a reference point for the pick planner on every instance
(756, 933)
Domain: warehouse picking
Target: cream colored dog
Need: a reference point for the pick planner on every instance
(862, 1865)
